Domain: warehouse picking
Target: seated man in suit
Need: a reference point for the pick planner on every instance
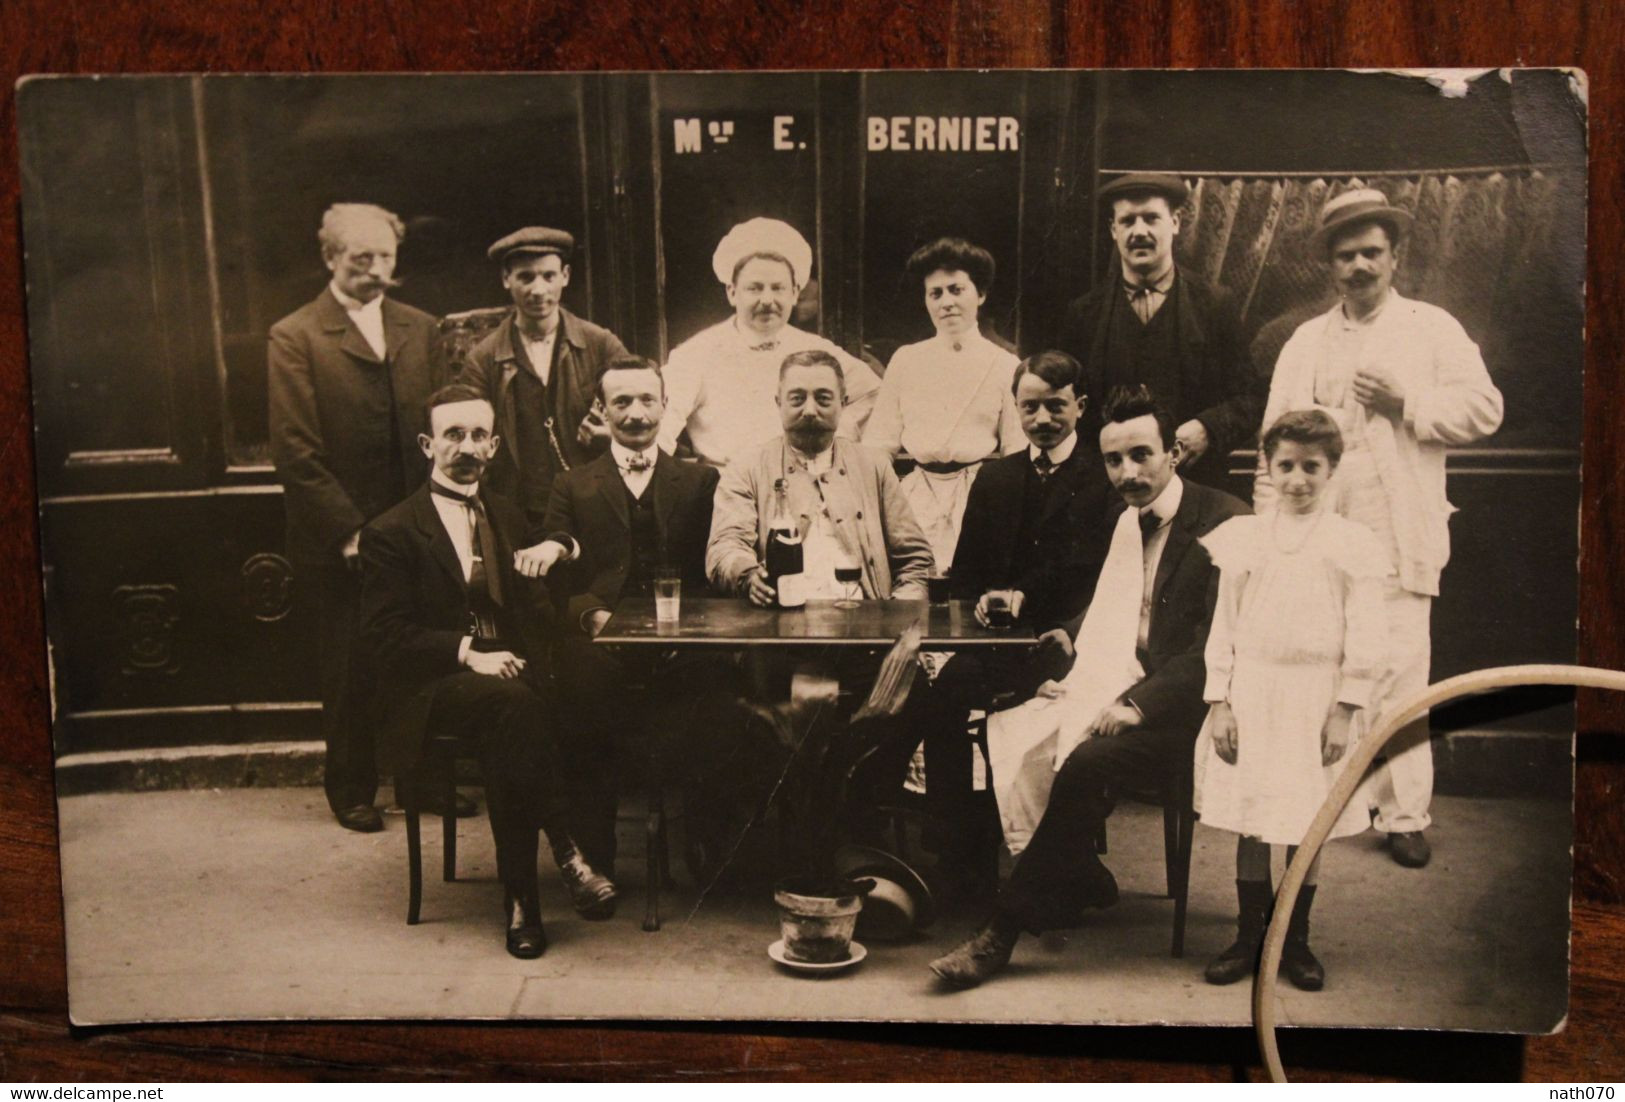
(1132, 704)
(617, 522)
(462, 645)
(1032, 541)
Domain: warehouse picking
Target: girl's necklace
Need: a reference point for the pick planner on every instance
(1308, 527)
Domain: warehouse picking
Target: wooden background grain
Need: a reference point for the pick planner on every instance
(36, 1042)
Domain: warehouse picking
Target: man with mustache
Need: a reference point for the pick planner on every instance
(844, 496)
(539, 369)
(1152, 322)
(846, 501)
(620, 519)
(721, 383)
(1404, 383)
(1130, 709)
(462, 643)
(347, 376)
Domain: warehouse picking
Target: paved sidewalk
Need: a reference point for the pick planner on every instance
(252, 903)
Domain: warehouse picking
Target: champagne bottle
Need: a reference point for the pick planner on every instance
(784, 547)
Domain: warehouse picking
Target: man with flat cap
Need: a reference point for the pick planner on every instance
(1404, 382)
(1152, 323)
(348, 374)
(722, 383)
(539, 370)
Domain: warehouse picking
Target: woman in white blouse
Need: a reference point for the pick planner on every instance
(946, 402)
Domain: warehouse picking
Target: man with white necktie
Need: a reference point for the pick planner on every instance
(721, 383)
(462, 643)
(1129, 710)
(348, 375)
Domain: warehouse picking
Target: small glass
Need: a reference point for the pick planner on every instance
(937, 588)
(668, 595)
(849, 573)
(998, 611)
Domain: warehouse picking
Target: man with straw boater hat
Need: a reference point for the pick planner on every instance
(1404, 382)
(1154, 323)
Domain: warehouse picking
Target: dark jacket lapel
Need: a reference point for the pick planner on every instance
(663, 484)
(434, 531)
(335, 320)
(1181, 534)
(612, 488)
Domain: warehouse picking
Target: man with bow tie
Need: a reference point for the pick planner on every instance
(617, 522)
(721, 382)
(462, 644)
(347, 375)
(1129, 710)
(1151, 322)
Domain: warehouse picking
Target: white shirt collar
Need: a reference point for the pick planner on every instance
(1060, 453)
(815, 464)
(623, 454)
(1370, 319)
(1161, 285)
(455, 487)
(355, 305)
(1167, 502)
(750, 340)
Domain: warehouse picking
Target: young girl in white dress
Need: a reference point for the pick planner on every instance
(1297, 645)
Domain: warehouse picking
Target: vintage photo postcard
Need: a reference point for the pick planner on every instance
(892, 546)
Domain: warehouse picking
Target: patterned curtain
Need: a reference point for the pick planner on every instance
(1502, 249)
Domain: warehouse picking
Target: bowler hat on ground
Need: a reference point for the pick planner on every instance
(1132, 185)
(913, 909)
(1352, 208)
(532, 240)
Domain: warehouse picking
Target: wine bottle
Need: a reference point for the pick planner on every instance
(784, 552)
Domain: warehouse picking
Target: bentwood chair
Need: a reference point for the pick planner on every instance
(437, 773)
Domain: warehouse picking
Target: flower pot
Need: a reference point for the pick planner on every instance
(817, 917)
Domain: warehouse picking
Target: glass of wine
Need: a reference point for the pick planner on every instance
(848, 572)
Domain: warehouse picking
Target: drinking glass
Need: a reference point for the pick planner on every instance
(668, 596)
(849, 572)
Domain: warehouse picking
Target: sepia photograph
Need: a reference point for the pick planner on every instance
(807, 545)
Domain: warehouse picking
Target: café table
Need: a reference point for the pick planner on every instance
(732, 623)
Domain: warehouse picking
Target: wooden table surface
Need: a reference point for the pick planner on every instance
(36, 1039)
(731, 622)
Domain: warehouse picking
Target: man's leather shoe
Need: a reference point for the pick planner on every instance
(1410, 848)
(526, 938)
(977, 960)
(362, 817)
(591, 894)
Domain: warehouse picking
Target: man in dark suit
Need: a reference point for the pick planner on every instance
(539, 369)
(1153, 647)
(348, 376)
(1032, 541)
(617, 522)
(1151, 322)
(462, 643)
